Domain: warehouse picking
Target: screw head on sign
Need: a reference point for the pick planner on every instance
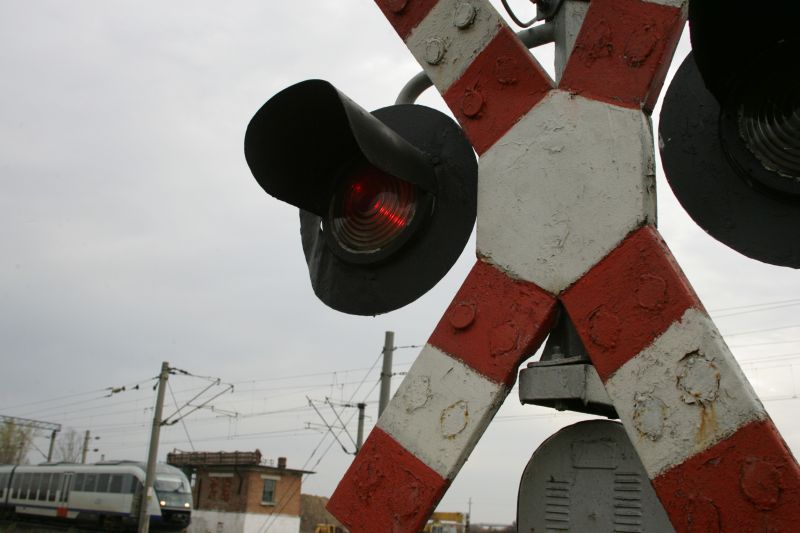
(472, 103)
(434, 51)
(462, 315)
(396, 6)
(464, 15)
(503, 339)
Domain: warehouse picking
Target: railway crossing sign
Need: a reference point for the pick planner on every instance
(566, 213)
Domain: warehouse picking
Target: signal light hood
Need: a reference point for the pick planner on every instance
(304, 138)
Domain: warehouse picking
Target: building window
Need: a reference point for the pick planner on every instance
(268, 493)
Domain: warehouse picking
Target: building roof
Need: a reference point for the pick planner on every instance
(224, 460)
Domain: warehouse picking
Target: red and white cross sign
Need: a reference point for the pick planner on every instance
(566, 212)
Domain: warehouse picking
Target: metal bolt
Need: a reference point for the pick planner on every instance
(503, 339)
(472, 103)
(462, 315)
(698, 379)
(434, 51)
(454, 419)
(651, 292)
(464, 15)
(649, 416)
(605, 328)
(417, 394)
(396, 6)
(760, 482)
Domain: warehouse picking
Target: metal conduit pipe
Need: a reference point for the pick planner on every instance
(531, 37)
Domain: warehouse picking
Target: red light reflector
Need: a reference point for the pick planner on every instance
(370, 210)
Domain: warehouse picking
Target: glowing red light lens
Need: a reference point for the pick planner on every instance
(371, 209)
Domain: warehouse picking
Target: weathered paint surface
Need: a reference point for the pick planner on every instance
(564, 187)
(405, 15)
(628, 299)
(682, 394)
(566, 175)
(747, 482)
(623, 52)
(444, 49)
(386, 489)
(500, 86)
(494, 323)
(440, 410)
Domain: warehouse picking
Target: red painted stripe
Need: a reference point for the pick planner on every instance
(405, 15)
(623, 51)
(494, 323)
(628, 299)
(502, 84)
(386, 489)
(748, 482)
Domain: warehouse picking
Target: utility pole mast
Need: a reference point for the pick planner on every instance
(386, 371)
(360, 435)
(86, 437)
(144, 522)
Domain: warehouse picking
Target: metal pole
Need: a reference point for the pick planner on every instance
(144, 522)
(360, 436)
(386, 372)
(52, 445)
(86, 437)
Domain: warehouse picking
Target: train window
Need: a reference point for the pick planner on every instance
(77, 482)
(89, 482)
(127, 484)
(44, 483)
(34, 481)
(15, 486)
(115, 485)
(102, 483)
(55, 479)
(26, 486)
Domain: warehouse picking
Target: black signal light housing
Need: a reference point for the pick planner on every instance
(730, 127)
(387, 199)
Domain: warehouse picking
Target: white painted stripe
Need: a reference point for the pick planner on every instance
(680, 4)
(441, 410)
(446, 42)
(682, 394)
(563, 187)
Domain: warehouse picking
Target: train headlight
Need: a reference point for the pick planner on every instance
(163, 503)
(186, 505)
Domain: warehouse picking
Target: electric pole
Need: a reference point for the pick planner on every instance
(360, 435)
(144, 522)
(386, 371)
(87, 438)
(85, 447)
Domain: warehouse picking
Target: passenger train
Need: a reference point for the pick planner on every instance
(104, 495)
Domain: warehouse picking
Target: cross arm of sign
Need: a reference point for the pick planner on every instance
(566, 212)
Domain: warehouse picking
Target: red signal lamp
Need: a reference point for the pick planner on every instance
(387, 199)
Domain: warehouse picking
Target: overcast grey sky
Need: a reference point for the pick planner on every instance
(132, 233)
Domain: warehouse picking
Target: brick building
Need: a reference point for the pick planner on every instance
(237, 492)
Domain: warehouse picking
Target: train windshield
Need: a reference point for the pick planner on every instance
(171, 484)
(173, 491)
